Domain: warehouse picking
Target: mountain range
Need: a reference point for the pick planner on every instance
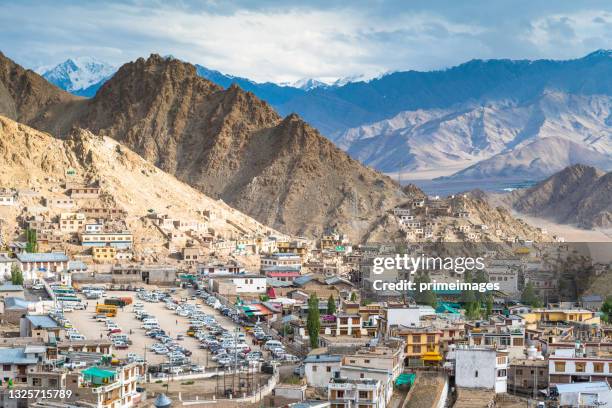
(226, 143)
(481, 119)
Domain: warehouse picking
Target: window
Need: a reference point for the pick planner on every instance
(476, 374)
(6, 367)
(560, 366)
(519, 372)
(416, 339)
(431, 339)
(314, 368)
(36, 382)
(416, 349)
(580, 366)
(598, 367)
(328, 369)
(363, 394)
(501, 373)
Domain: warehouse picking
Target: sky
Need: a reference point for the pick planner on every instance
(283, 41)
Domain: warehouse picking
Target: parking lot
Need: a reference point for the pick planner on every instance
(172, 323)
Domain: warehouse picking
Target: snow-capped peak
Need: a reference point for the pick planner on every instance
(77, 74)
(305, 83)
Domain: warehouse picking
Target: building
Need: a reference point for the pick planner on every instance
(85, 192)
(237, 284)
(17, 362)
(120, 240)
(348, 393)
(319, 368)
(484, 368)
(14, 309)
(526, 374)
(571, 365)
(590, 394)
(6, 265)
(9, 290)
(348, 324)
(220, 269)
(420, 341)
(114, 387)
(562, 315)
(281, 260)
(33, 263)
(103, 253)
(71, 222)
(59, 202)
(39, 326)
(7, 198)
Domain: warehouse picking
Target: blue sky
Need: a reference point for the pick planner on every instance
(287, 40)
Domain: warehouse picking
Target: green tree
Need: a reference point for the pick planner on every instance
(529, 296)
(16, 275)
(470, 304)
(331, 305)
(489, 305)
(606, 309)
(31, 245)
(313, 322)
(353, 296)
(425, 297)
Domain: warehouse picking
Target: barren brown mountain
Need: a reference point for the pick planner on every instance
(579, 194)
(226, 143)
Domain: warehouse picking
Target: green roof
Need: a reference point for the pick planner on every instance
(98, 372)
(405, 378)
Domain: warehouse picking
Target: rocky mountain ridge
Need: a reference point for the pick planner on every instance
(228, 144)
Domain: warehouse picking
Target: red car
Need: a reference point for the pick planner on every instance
(115, 330)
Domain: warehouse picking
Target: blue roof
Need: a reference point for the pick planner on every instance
(15, 356)
(323, 358)
(76, 265)
(42, 257)
(10, 288)
(591, 298)
(42, 321)
(597, 386)
(302, 280)
(11, 303)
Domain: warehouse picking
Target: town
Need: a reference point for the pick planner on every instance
(122, 309)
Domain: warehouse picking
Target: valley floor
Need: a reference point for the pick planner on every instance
(569, 232)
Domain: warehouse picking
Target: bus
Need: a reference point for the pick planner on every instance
(107, 310)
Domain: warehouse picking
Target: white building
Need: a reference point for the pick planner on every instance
(320, 368)
(236, 284)
(6, 264)
(477, 367)
(361, 392)
(575, 365)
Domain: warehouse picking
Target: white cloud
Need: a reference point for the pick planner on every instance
(285, 43)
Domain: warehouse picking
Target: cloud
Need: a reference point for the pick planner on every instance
(285, 41)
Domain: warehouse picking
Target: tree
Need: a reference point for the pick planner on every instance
(470, 303)
(606, 309)
(331, 305)
(353, 296)
(31, 245)
(489, 305)
(529, 296)
(16, 275)
(313, 322)
(425, 297)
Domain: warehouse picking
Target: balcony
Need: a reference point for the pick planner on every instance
(100, 389)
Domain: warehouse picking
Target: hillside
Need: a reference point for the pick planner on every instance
(231, 145)
(578, 195)
(35, 161)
